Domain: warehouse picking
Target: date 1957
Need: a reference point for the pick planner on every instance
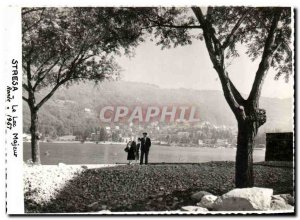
(12, 108)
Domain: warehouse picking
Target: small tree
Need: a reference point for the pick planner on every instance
(61, 46)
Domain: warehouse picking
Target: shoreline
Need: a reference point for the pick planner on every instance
(96, 166)
(124, 144)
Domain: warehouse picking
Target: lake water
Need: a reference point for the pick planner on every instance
(90, 153)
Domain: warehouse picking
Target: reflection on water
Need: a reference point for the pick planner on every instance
(89, 153)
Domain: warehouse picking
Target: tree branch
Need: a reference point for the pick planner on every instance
(50, 94)
(25, 87)
(25, 99)
(265, 61)
(60, 69)
(41, 78)
(39, 69)
(206, 33)
(24, 12)
(75, 62)
(28, 72)
(34, 24)
(237, 95)
(288, 49)
(230, 37)
(175, 26)
(161, 24)
(232, 96)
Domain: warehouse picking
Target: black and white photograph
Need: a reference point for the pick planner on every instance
(154, 110)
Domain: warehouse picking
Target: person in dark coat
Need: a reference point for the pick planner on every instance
(131, 145)
(145, 147)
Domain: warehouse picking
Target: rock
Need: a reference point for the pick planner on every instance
(278, 197)
(93, 205)
(193, 209)
(280, 204)
(62, 165)
(200, 204)
(84, 167)
(207, 201)
(174, 204)
(246, 199)
(288, 198)
(104, 211)
(198, 195)
(160, 199)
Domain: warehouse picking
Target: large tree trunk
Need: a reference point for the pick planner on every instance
(244, 156)
(35, 148)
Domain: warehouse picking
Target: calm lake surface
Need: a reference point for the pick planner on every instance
(90, 153)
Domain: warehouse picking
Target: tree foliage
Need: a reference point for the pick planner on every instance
(65, 45)
(232, 27)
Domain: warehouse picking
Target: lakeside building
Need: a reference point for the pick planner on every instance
(67, 138)
(221, 142)
(200, 142)
(182, 134)
(87, 110)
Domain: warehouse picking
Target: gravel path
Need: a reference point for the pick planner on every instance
(138, 188)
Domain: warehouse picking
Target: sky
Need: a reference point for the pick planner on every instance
(190, 67)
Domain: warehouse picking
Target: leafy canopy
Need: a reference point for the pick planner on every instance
(233, 26)
(63, 45)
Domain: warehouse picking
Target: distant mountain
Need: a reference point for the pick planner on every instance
(79, 105)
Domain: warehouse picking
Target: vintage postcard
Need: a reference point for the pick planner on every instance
(149, 110)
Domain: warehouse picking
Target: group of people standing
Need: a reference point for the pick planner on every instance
(133, 149)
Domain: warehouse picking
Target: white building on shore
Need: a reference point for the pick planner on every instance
(67, 138)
